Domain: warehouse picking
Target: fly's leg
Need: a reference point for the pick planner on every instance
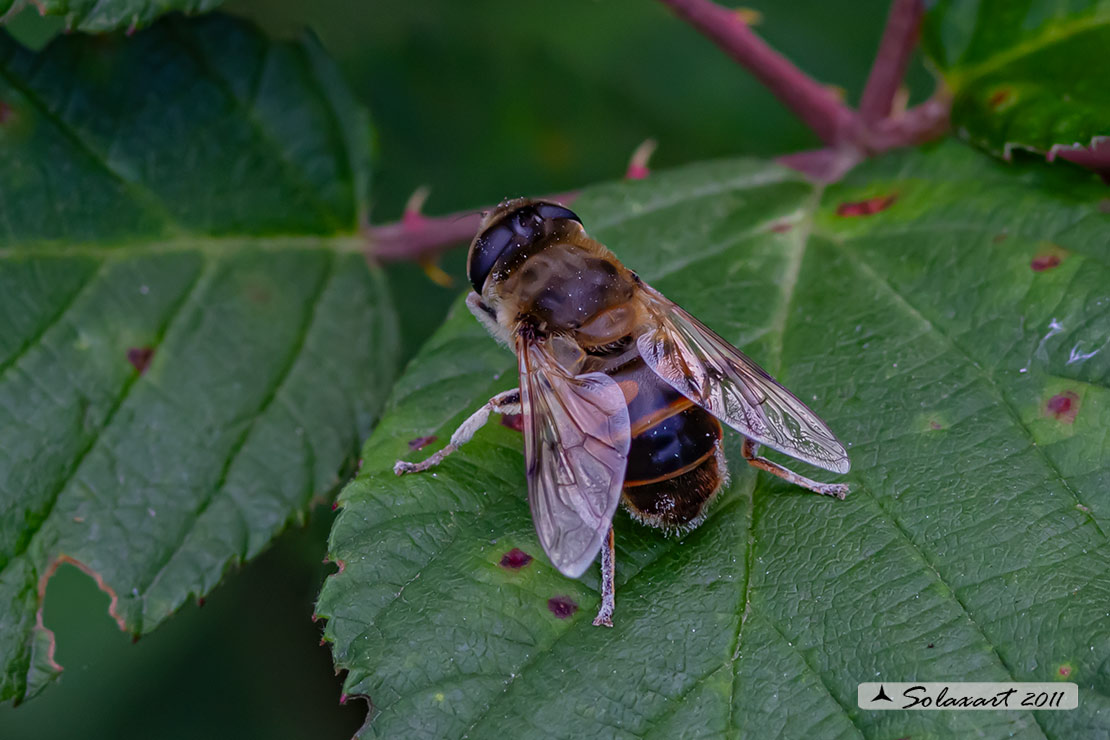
(503, 403)
(749, 450)
(604, 616)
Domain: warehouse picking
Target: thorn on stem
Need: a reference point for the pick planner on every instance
(638, 162)
(413, 217)
(901, 101)
(435, 273)
(749, 16)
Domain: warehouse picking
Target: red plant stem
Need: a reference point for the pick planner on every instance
(889, 67)
(832, 121)
(849, 135)
(919, 124)
(412, 239)
(403, 240)
(823, 165)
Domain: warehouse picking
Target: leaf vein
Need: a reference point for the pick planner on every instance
(296, 176)
(140, 194)
(1005, 402)
(54, 320)
(128, 385)
(820, 678)
(240, 444)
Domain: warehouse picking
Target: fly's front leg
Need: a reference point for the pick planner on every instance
(503, 403)
(749, 450)
(604, 616)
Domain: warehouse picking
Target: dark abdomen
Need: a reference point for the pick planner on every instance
(673, 467)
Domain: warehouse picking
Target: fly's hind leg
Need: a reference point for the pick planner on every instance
(749, 450)
(503, 403)
(604, 616)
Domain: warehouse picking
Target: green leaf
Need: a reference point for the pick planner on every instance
(1024, 74)
(97, 16)
(192, 344)
(973, 545)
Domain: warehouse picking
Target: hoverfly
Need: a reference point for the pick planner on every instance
(622, 392)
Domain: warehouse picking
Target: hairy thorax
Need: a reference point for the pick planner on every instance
(575, 290)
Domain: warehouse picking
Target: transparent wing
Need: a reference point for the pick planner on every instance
(576, 437)
(718, 377)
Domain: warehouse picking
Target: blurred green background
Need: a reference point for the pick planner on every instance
(478, 100)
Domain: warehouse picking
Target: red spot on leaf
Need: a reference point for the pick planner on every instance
(342, 566)
(1050, 256)
(1065, 671)
(866, 207)
(636, 172)
(421, 442)
(513, 421)
(334, 505)
(139, 357)
(515, 559)
(935, 425)
(1063, 406)
(782, 227)
(201, 601)
(1044, 262)
(999, 98)
(258, 293)
(342, 698)
(562, 607)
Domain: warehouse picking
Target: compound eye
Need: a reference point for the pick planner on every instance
(487, 249)
(553, 210)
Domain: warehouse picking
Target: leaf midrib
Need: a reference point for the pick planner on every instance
(210, 245)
